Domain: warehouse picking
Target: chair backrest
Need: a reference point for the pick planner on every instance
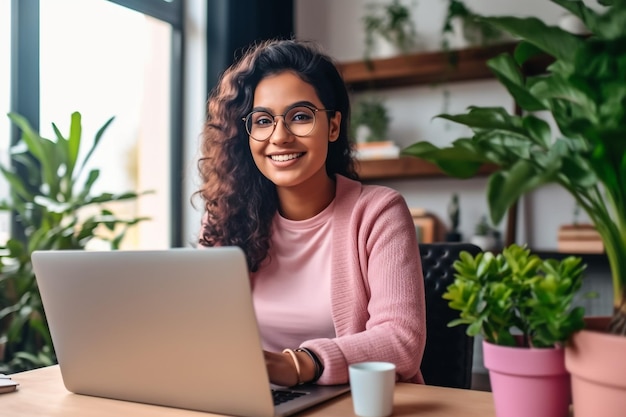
(449, 351)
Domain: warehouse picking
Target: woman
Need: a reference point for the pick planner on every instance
(335, 269)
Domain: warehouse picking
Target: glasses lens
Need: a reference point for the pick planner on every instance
(300, 120)
(260, 125)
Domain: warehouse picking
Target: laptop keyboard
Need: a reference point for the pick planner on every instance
(282, 396)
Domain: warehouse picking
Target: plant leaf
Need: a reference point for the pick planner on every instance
(554, 41)
(505, 187)
(510, 75)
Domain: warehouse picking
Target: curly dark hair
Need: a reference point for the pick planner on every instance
(239, 201)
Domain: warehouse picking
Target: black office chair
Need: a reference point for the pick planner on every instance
(448, 354)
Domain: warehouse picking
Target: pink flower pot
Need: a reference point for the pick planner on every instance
(528, 382)
(597, 362)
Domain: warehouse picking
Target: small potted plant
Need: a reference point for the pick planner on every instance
(522, 306)
(388, 24)
(485, 235)
(369, 125)
(369, 121)
(462, 29)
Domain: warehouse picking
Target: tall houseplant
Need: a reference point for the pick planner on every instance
(584, 90)
(51, 200)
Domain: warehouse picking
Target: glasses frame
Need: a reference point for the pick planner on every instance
(275, 121)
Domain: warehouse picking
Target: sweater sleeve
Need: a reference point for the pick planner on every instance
(378, 292)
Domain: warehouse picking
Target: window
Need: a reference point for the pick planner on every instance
(116, 59)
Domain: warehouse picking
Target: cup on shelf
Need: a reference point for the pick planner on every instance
(372, 385)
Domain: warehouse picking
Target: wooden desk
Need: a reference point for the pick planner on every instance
(42, 393)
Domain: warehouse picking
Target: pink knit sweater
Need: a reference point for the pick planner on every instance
(378, 304)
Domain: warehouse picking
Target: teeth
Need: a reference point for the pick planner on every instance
(283, 158)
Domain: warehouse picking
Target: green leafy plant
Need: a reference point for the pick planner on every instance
(517, 293)
(372, 113)
(584, 91)
(51, 200)
(390, 21)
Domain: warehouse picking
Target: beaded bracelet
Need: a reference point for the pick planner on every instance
(296, 363)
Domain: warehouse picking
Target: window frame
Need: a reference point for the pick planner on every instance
(170, 11)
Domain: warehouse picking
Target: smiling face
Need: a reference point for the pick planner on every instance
(291, 161)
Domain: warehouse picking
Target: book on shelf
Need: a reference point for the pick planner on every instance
(427, 226)
(581, 246)
(579, 238)
(578, 231)
(376, 150)
(425, 229)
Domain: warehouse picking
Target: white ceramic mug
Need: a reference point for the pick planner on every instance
(372, 385)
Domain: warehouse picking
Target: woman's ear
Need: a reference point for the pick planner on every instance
(334, 127)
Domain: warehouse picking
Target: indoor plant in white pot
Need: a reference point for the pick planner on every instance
(461, 30)
(369, 121)
(485, 236)
(522, 305)
(584, 91)
(369, 126)
(389, 30)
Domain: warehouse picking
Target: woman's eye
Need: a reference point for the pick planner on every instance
(301, 117)
(263, 120)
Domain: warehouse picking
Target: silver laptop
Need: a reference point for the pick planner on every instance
(173, 327)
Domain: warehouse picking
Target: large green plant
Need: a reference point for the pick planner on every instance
(516, 291)
(52, 202)
(584, 90)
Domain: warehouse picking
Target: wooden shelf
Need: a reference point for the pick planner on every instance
(430, 68)
(404, 167)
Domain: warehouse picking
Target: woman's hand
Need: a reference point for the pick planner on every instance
(281, 369)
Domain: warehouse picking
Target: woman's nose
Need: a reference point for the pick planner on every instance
(281, 133)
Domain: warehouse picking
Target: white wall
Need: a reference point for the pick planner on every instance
(336, 25)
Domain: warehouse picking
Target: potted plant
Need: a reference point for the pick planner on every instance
(369, 121)
(584, 92)
(522, 307)
(369, 125)
(485, 236)
(462, 29)
(52, 201)
(388, 24)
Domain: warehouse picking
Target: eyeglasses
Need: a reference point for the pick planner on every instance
(299, 121)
